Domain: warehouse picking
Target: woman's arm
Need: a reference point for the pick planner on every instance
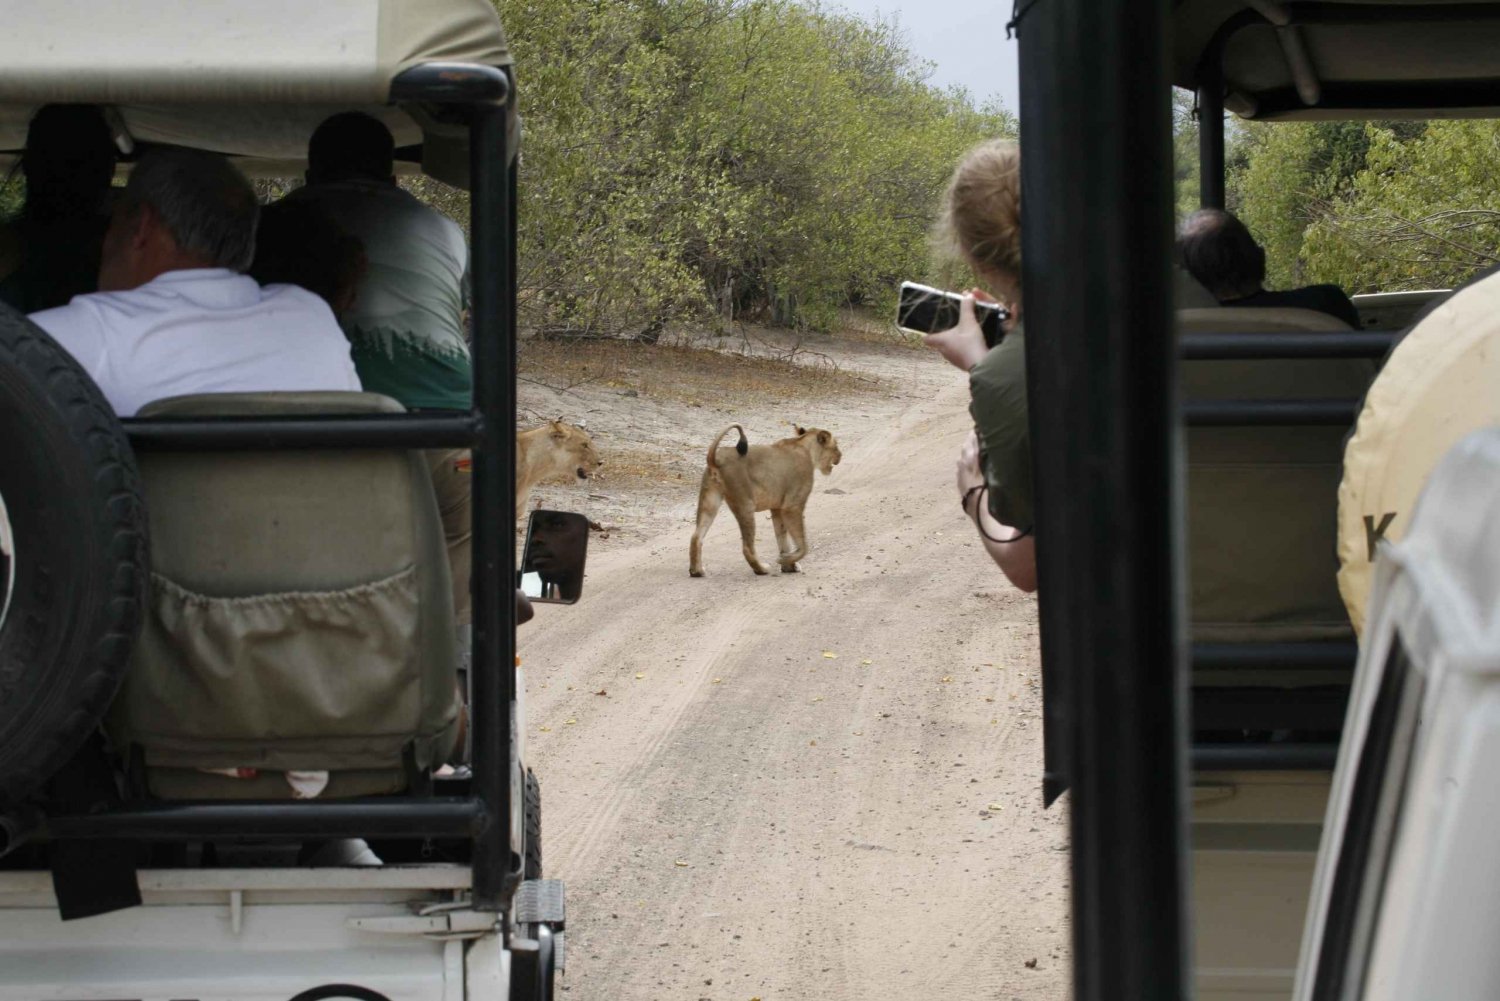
(1013, 553)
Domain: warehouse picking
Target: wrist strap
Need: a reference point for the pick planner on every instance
(970, 493)
(979, 521)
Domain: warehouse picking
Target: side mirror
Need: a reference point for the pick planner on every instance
(557, 543)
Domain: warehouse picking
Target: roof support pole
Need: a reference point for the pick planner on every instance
(494, 552)
(1096, 142)
(1211, 137)
(1293, 50)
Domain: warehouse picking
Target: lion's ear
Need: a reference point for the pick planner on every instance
(559, 429)
(822, 437)
(800, 429)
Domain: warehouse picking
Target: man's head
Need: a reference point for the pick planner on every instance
(1219, 251)
(69, 160)
(351, 146)
(181, 209)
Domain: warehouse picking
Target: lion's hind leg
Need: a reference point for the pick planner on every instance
(743, 510)
(709, 499)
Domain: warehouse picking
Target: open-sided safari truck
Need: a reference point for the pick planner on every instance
(1171, 436)
(291, 612)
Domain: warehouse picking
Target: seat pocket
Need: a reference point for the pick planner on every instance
(293, 680)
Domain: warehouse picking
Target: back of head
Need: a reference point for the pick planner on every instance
(350, 145)
(203, 201)
(299, 244)
(69, 160)
(981, 219)
(1218, 250)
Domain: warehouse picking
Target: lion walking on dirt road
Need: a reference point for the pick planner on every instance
(777, 477)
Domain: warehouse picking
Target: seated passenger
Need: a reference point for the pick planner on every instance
(1219, 251)
(297, 244)
(50, 252)
(406, 323)
(176, 315)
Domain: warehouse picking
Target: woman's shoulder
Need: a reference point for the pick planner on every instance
(1005, 364)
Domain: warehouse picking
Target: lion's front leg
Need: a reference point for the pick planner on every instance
(783, 542)
(797, 530)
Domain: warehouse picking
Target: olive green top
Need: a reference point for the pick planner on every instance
(997, 401)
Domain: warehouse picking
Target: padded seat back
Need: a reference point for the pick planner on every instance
(300, 613)
(1262, 501)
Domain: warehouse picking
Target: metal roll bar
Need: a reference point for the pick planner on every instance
(1097, 235)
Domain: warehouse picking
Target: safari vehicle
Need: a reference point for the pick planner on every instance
(1197, 655)
(175, 880)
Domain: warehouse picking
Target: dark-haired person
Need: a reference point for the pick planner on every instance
(1218, 250)
(297, 244)
(175, 314)
(50, 252)
(405, 324)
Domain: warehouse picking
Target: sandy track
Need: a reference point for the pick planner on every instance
(739, 816)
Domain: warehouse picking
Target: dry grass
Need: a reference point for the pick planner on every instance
(635, 466)
(688, 374)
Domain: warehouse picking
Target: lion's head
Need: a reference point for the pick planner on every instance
(576, 444)
(823, 448)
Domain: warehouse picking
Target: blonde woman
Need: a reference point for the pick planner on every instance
(981, 224)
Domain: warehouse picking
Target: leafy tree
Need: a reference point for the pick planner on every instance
(713, 158)
(1423, 211)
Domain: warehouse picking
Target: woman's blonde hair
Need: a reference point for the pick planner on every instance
(981, 220)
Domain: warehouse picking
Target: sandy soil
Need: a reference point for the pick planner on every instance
(816, 786)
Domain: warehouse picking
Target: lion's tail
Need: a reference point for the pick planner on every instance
(742, 446)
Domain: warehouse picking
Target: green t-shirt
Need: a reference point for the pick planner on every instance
(997, 402)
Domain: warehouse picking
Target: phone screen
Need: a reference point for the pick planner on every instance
(929, 310)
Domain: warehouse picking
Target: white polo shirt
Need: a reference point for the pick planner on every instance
(205, 330)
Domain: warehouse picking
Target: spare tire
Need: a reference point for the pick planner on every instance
(1437, 386)
(70, 604)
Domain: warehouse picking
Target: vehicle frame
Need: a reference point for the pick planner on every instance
(482, 98)
(1106, 438)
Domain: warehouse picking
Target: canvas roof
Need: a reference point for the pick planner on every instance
(1324, 59)
(250, 78)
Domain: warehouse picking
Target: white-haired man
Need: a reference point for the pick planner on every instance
(176, 315)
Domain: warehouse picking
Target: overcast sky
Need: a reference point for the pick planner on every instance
(965, 39)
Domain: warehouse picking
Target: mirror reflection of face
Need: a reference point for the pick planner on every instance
(552, 569)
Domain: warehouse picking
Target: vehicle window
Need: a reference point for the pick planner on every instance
(1370, 832)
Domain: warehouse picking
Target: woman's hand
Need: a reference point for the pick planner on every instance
(970, 474)
(963, 346)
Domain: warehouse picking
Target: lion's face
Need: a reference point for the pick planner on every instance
(576, 444)
(824, 448)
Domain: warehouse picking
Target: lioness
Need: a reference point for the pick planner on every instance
(554, 449)
(776, 478)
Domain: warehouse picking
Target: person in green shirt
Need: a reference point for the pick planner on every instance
(982, 224)
(405, 325)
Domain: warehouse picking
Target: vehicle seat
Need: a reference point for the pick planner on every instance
(300, 615)
(1262, 501)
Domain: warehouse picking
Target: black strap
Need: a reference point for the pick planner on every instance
(90, 877)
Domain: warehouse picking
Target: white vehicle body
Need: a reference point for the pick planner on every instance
(399, 933)
(1404, 900)
(388, 933)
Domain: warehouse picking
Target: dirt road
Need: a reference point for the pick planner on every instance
(816, 786)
